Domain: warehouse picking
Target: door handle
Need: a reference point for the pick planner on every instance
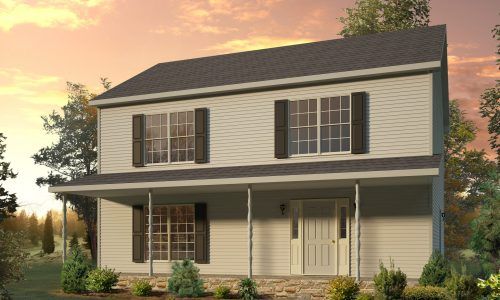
(333, 241)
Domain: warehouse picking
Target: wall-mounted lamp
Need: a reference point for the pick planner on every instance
(443, 214)
(282, 208)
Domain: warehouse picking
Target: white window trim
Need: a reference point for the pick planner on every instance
(318, 125)
(170, 260)
(169, 162)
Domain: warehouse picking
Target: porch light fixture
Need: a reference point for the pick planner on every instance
(282, 208)
(443, 214)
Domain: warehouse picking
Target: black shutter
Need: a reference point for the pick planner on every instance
(200, 135)
(358, 130)
(138, 233)
(201, 233)
(138, 140)
(281, 129)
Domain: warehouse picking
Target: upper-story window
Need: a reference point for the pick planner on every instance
(332, 125)
(178, 146)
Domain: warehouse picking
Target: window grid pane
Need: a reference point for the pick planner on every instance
(181, 232)
(335, 124)
(303, 126)
(181, 136)
(156, 139)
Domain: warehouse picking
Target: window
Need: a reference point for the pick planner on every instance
(156, 139)
(332, 125)
(303, 124)
(182, 136)
(343, 222)
(295, 223)
(173, 231)
(181, 143)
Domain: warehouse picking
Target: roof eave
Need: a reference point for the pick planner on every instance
(276, 83)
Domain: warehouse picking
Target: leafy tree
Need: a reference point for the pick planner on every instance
(74, 241)
(74, 154)
(372, 16)
(8, 201)
(486, 227)
(465, 171)
(12, 259)
(33, 233)
(48, 235)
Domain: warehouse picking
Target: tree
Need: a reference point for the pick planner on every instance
(33, 233)
(465, 172)
(74, 241)
(372, 16)
(485, 239)
(48, 235)
(74, 154)
(12, 259)
(8, 201)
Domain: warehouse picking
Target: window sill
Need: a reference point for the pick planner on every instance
(171, 163)
(343, 153)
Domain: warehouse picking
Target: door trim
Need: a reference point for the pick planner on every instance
(297, 245)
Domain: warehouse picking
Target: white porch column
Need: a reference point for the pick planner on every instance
(64, 228)
(249, 218)
(357, 232)
(150, 231)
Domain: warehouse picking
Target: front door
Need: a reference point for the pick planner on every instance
(320, 234)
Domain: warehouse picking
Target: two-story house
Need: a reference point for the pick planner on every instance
(322, 158)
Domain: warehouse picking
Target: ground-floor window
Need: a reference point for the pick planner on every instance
(173, 231)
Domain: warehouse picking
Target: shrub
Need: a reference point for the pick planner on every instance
(101, 280)
(490, 286)
(389, 284)
(222, 292)
(48, 235)
(364, 296)
(74, 241)
(462, 286)
(435, 271)
(247, 289)
(185, 280)
(142, 288)
(343, 288)
(74, 272)
(426, 293)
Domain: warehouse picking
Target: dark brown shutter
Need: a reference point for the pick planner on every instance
(138, 233)
(281, 129)
(201, 233)
(138, 140)
(358, 130)
(200, 135)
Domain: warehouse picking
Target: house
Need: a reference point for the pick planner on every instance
(319, 159)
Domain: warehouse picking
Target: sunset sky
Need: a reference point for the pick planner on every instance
(45, 43)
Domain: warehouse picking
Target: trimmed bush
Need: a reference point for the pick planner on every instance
(389, 284)
(426, 293)
(247, 289)
(185, 280)
(101, 280)
(490, 286)
(142, 288)
(435, 271)
(222, 292)
(462, 286)
(364, 296)
(343, 288)
(74, 272)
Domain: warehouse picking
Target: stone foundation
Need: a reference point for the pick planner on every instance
(301, 287)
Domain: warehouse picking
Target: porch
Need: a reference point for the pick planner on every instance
(251, 224)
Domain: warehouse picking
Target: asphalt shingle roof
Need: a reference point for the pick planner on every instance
(331, 56)
(343, 166)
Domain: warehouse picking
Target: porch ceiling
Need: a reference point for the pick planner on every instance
(380, 171)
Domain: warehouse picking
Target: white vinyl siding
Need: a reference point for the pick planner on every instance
(399, 118)
(395, 223)
(437, 209)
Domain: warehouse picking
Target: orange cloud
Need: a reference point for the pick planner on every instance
(453, 59)
(255, 43)
(70, 14)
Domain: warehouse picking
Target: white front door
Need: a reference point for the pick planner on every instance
(320, 234)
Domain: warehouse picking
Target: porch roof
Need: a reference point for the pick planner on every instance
(271, 173)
